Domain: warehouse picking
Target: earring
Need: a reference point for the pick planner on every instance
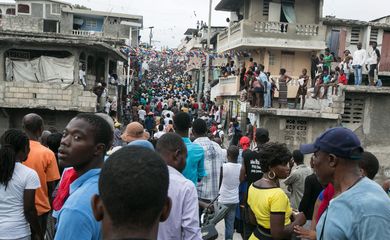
(273, 176)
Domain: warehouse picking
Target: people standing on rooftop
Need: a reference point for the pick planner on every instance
(359, 60)
(283, 80)
(374, 57)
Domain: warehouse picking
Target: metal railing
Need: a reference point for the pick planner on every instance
(87, 33)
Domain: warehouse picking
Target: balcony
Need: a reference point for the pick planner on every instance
(272, 35)
(227, 86)
(84, 33)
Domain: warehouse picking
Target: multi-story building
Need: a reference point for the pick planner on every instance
(278, 34)
(44, 45)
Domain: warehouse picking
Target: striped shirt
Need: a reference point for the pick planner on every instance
(214, 157)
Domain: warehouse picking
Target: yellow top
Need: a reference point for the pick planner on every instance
(264, 201)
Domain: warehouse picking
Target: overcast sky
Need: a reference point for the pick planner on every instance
(171, 18)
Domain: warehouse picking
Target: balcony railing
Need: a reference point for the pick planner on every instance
(87, 33)
(237, 33)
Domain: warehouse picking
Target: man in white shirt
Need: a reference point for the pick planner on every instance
(160, 132)
(167, 119)
(82, 76)
(183, 222)
(142, 114)
(359, 59)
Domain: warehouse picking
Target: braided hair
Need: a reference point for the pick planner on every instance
(11, 142)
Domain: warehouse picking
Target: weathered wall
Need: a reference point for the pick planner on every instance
(306, 11)
(37, 10)
(47, 96)
(66, 23)
(22, 23)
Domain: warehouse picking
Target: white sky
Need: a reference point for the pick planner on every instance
(171, 18)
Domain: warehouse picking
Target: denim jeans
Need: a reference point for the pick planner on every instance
(229, 221)
(358, 74)
(267, 99)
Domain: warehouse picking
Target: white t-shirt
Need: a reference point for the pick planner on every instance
(158, 134)
(141, 114)
(166, 121)
(230, 183)
(359, 57)
(13, 223)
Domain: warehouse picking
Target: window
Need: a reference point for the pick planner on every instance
(24, 8)
(91, 24)
(355, 35)
(10, 11)
(374, 35)
(354, 109)
(55, 8)
(266, 7)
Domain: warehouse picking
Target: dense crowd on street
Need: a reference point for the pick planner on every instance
(178, 168)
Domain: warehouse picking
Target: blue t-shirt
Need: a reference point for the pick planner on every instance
(75, 219)
(361, 213)
(194, 168)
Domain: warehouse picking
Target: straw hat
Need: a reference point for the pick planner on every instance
(134, 131)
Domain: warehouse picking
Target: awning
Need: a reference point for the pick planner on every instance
(229, 5)
(289, 13)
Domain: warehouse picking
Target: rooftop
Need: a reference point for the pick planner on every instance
(12, 37)
(342, 22)
(101, 13)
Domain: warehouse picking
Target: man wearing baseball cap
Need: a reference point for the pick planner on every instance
(362, 208)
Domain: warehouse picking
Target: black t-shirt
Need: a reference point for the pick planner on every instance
(252, 166)
(312, 189)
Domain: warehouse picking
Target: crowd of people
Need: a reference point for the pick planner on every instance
(172, 170)
(327, 73)
(144, 189)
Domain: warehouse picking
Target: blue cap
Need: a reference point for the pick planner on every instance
(142, 143)
(339, 141)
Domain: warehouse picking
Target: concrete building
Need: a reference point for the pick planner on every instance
(195, 41)
(357, 108)
(43, 47)
(342, 34)
(275, 33)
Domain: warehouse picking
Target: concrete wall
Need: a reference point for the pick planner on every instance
(306, 11)
(280, 129)
(46, 96)
(37, 10)
(22, 23)
(66, 23)
(373, 131)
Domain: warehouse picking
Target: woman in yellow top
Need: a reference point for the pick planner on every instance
(269, 206)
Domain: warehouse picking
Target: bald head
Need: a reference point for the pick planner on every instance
(33, 125)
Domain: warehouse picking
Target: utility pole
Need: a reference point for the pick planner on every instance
(207, 74)
(150, 36)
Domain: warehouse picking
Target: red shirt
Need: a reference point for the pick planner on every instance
(327, 196)
(195, 105)
(343, 79)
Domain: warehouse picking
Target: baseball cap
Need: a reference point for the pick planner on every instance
(339, 141)
(142, 143)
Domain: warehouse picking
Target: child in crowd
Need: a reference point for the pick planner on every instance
(230, 181)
